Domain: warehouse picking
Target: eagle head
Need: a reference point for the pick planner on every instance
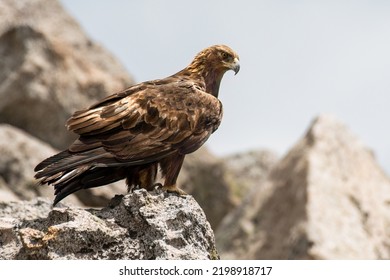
(222, 58)
(211, 64)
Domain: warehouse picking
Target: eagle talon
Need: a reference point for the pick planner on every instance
(174, 189)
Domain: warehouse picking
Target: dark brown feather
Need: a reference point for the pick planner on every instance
(129, 134)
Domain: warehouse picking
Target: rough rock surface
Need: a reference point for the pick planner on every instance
(326, 199)
(140, 225)
(49, 68)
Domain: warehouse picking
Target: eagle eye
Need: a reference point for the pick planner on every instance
(226, 56)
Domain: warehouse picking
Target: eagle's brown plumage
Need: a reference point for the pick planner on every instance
(128, 135)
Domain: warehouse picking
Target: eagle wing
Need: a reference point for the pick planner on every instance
(147, 122)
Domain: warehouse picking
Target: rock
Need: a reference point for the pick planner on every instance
(20, 153)
(204, 177)
(326, 199)
(49, 68)
(141, 225)
(247, 170)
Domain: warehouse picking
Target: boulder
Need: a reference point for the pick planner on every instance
(141, 225)
(49, 68)
(326, 199)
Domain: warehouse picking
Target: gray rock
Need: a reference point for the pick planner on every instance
(326, 199)
(49, 68)
(140, 225)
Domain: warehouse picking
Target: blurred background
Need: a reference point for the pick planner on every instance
(298, 59)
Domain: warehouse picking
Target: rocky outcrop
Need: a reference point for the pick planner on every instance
(326, 199)
(141, 225)
(49, 68)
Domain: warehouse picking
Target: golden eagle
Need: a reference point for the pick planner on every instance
(132, 133)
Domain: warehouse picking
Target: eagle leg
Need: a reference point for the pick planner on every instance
(170, 167)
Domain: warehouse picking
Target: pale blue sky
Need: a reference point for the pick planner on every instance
(298, 59)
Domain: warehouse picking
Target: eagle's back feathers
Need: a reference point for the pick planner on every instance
(132, 132)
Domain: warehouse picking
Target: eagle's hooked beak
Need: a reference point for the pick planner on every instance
(236, 66)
